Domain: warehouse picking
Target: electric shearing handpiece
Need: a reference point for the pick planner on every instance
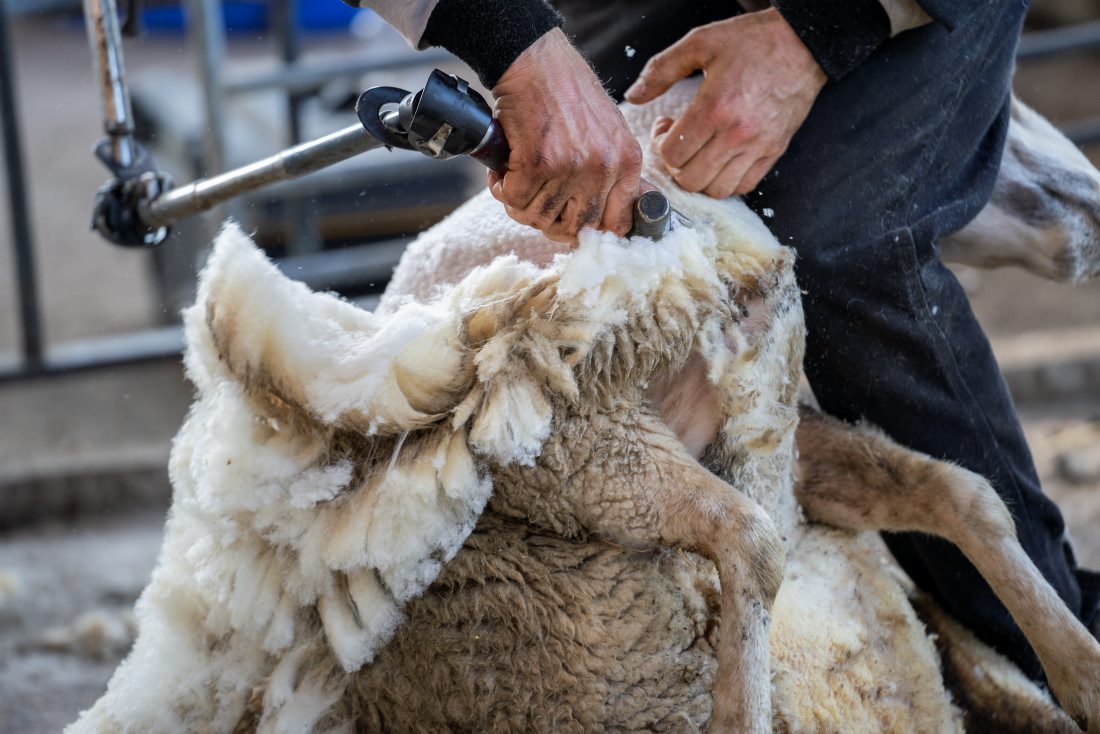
(447, 118)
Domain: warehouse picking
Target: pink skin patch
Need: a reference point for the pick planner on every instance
(687, 402)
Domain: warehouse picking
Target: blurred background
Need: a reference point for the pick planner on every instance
(91, 390)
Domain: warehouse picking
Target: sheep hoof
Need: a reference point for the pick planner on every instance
(1080, 697)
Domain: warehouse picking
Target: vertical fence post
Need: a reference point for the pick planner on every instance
(26, 284)
(207, 33)
(301, 230)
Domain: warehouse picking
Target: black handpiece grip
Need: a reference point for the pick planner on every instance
(493, 151)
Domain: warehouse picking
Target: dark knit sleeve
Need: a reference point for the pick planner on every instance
(952, 13)
(489, 34)
(840, 35)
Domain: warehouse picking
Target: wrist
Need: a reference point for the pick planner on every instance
(489, 35)
(548, 55)
(785, 37)
(840, 36)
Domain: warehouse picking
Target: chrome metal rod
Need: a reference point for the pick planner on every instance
(101, 17)
(306, 76)
(206, 32)
(1083, 132)
(1058, 41)
(207, 193)
(26, 276)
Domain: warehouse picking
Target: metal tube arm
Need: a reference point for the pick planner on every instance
(207, 193)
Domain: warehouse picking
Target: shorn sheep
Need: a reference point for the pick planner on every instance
(556, 492)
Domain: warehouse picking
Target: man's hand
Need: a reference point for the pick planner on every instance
(573, 163)
(760, 84)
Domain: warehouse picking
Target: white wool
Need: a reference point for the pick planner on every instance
(635, 266)
(297, 697)
(442, 256)
(352, 644)
(514, 422)
(97, 633)
(10, 587)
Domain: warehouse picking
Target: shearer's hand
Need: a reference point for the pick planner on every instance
(574, 163)
(760, 83)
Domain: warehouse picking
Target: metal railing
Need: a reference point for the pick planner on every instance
(1039, 45)
(26, 284)
(35, 359)
(319, 270)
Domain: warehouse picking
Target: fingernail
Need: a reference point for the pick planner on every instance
(635, 90)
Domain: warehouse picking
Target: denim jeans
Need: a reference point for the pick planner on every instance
(903, 150)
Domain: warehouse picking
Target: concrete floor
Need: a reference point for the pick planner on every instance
(49, 578)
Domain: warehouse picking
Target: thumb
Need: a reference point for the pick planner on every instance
(665, 69)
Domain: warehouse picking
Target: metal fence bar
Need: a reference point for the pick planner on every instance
(304, 77)
(207, 193)
(302, 233)
(26, 278)
(1058, 41)
(207, 32)
(348, 266)
(290, 50)
(1083, 132)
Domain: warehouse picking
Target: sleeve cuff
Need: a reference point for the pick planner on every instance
(840, 35)
(489, 34)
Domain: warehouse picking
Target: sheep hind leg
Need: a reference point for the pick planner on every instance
(855, 477)
(647, 490)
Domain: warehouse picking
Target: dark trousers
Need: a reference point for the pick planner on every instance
(902, 151)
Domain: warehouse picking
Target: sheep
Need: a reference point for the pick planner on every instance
(1044, 214)
(432, 515)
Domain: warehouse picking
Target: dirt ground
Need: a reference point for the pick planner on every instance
(1065, 441)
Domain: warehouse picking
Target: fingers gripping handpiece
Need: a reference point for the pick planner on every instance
(447, 118)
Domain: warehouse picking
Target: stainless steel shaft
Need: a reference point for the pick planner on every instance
(207, 193)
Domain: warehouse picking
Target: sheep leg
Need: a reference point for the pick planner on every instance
(1044, 214)
(741, 539)
(657, 494)
(855, 477)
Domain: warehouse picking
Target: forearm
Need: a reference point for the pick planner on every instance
(487, 34)
(408, 17)
(839, 35)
